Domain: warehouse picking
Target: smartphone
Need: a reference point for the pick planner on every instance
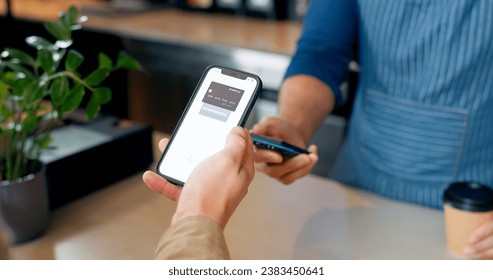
(222, 99)
(284, 148)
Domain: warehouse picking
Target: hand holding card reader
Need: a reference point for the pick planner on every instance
(287, 150)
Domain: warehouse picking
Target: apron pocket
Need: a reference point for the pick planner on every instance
(412, 141)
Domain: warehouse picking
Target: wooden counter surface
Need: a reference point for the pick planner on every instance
(170, 24)
(314, 218)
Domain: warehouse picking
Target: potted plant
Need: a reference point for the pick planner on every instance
(36, 92)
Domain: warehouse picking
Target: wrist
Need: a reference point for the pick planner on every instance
(181, 214)
(296, 124)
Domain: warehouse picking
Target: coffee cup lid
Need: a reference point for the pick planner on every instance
(469, 196)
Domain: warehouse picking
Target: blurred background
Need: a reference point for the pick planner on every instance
(175, 41)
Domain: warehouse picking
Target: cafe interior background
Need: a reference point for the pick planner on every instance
(99, 206)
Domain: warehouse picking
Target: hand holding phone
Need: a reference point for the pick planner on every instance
(222, 100)
(286, 149)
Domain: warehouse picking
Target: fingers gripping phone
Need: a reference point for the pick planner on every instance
(222, 100)
(287, 150)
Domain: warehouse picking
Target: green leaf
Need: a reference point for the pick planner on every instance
(58, 30)
(45, 142)
(93, 107)
(11, 76)
(58, 57)
(30, 123)
(19, 88)
(23, 57)
(33, 93)
(99, 96)
(39, 144)
(74, 99)
(127, 62)
(59, 91)
(19, 71)
(4, 89)
(69, 18)
(74, 60)
(104, 61)
(46, 61)
(103, 95)
(97, 76)
(39, 43)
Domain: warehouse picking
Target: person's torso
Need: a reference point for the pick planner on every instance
(424, 106)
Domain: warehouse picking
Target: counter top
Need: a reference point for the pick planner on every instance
(314, 218)
(171, 24)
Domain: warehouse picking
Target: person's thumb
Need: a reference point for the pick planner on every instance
(236, 143)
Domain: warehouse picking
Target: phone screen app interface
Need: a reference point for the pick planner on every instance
(217, 107)
(220, 100)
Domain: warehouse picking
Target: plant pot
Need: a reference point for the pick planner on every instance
(24, 210)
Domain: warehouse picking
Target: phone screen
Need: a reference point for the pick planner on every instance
(223, 99)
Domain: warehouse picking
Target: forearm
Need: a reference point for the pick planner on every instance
(193, 238)
(305, 101)
(320, 64)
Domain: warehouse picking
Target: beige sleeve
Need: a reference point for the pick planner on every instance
(4, 251)
(193, 238)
